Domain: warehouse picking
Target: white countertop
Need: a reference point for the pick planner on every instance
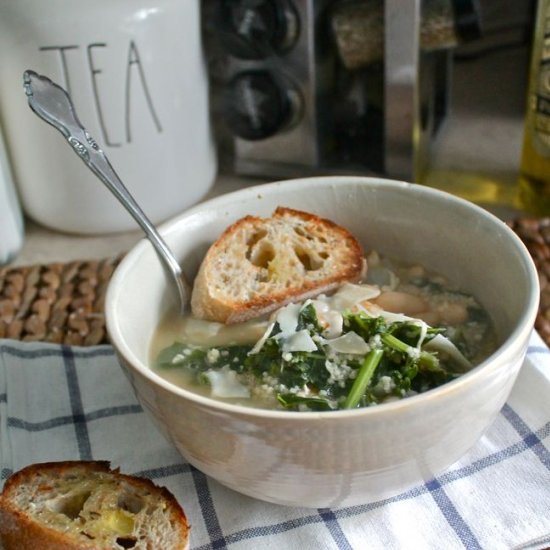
(43, 245)
(476, 155)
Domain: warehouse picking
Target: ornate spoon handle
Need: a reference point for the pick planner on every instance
(52, 103)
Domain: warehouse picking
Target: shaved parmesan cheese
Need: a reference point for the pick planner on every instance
(287, 317)
(350, 342)
(224, 383)
(260, 343)
(423, 333)
(349, 295)
(330, 319)
(440, 343)
(299, 341)
(208, 333)
(334, 324)
(395, 317)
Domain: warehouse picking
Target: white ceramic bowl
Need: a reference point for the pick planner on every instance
(326, 459)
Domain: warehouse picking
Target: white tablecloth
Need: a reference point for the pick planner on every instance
(67, 403)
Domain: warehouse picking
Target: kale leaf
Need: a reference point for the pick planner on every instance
(323, 379)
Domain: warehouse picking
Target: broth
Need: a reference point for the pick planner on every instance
(320, 362)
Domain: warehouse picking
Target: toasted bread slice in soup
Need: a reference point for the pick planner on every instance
(259, 264)
(84, 505)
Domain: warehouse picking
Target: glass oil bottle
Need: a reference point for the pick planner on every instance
(534, 181)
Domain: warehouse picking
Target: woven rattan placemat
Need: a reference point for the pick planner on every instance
(63, 303)
(57, 302)
(535, 233)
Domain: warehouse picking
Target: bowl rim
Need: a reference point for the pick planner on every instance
(524, 323)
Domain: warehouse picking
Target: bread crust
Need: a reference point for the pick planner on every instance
(303, 256)
(19, 530)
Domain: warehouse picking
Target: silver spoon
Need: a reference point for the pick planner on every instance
(52, 103)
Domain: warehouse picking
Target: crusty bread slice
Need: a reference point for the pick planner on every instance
(259, 264)
(84, 505)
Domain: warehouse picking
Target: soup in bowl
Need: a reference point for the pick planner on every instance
(398, 332)
(297, 450)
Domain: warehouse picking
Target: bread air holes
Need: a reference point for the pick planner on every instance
(126, 542)
(261, 255)
(308, 260)
(69, 505)
(310, 234)
(130, 503)
(252, 240)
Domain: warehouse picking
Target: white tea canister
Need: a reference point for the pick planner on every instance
(136, 73)
(11, 218)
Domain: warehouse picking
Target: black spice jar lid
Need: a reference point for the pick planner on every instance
(256, 105)
(256, 29)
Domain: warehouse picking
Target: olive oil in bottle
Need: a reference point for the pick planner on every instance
(534, 181)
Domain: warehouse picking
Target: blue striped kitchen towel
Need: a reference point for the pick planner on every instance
(67, 403)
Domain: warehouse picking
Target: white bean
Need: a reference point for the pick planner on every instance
(401, 302)
(432, 318)
(452, 313)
